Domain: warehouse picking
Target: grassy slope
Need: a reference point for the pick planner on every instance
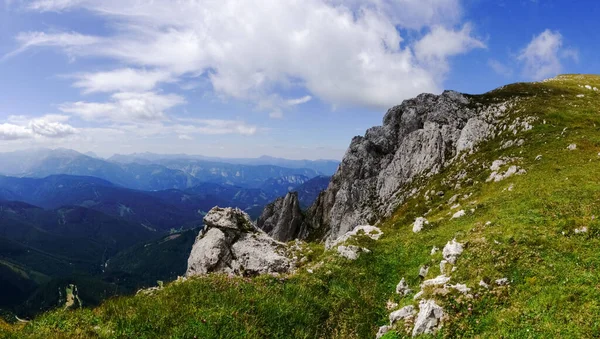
(555, 288)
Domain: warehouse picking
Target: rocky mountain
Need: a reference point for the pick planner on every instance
(418, 139)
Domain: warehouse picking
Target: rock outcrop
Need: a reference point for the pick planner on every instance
(418, 138)
(282, 219)
(231, 243)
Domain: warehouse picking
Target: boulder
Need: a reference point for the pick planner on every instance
(402, 288)
(420, 222)
(402, 314)
(429, 318)
(231, 243)
(452, 251)
(351, 252)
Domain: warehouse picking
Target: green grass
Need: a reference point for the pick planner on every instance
(555, 286)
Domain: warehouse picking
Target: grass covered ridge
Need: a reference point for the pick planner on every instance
(555, 285)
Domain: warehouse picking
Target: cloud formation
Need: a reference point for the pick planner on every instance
(346, 53)
(543, 56)
(49, 126)
(125, 106)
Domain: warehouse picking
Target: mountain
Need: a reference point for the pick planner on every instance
(486, 225)
(144, 208)
(144, 264)
(162, 174)
(43, 162)
(247, 176)
(38, 246)
(324, 167)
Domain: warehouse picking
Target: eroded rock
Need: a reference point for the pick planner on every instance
(351, 252)
(429, 318)
(230, 243)
(452, 251)
(282, 219)
(420, 222)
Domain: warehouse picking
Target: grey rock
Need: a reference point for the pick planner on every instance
(230, 243)
(423, 271)
(420, 222)
(437, 281)
(383, 330)
(282, 219)
(402, 288)
(351, 252)
(402, 314)
(429, 318)
(417, 138)
(452, 251)
(474, 132)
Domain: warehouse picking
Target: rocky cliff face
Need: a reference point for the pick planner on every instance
(282, 219)
(417, 138)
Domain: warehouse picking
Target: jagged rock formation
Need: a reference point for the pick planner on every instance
(231, 243)
(418, 137)
(282, 219)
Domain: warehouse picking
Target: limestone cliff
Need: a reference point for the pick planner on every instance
(418, 138)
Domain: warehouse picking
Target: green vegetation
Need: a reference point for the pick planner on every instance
(554, 288)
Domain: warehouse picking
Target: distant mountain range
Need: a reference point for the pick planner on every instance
(153, 172)
(67, 217)
(325, 167)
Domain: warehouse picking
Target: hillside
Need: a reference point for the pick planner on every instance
(522, 204)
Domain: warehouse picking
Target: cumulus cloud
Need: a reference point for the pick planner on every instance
(441, 43)
(543, 56)
(343, 52)
(49, 126)
(125, 106)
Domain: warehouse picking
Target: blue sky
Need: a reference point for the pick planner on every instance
(294, 79)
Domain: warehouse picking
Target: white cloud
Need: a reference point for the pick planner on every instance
(213, 127)
(126, 106)
(14, 132)
(299, 101)
(542, 56)
(343, 52)
(441, 43)
(71, 42)
(120, 80)
(50, 129)
(22, 127)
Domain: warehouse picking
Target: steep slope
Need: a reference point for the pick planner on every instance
(514, 223)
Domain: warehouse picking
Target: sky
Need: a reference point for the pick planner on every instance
(286, 78)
